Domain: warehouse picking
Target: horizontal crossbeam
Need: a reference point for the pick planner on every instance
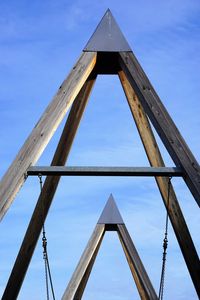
(104, 171)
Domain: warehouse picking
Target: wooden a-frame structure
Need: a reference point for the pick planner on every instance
(107, 52)
(110, 220)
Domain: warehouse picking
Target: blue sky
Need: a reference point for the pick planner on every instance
(39, 43)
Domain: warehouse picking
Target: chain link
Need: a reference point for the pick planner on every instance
(48, 277)
(165, 244)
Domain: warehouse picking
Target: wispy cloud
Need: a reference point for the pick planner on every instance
(40, 41)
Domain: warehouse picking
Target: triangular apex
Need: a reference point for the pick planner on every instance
(107, 37)
(78, 282)
(110, 214)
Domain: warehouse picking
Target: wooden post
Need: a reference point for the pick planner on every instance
(152, 150)
(85, 263)
(48, 191)
(140, 276)
(44, 129)
(162, 122)
(81, 288)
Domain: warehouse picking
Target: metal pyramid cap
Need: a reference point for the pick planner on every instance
(107, 37)
(110, 213)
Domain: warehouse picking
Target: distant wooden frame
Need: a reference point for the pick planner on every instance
(111, 220)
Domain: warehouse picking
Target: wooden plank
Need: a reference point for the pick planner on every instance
(86, 258)
(155, 158)
(81, 288)
(143, 283)
(169, 134)
(48, 191)
(104, 171)
(44, 129)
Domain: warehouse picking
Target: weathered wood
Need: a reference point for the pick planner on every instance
(88, 255)
(104, 171)
(169, 134)
(155, 158)
(139, 273)
(81, 288)
(48, 191)
(44, 129)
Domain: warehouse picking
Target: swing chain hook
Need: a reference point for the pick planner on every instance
(40, 180)
(48, 277)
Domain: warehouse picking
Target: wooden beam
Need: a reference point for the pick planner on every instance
(104, 171)
(87, 257)
(155, 158)
(139, 273)
(44, 129)
(48, 191)
(81, 288)
(169, 134)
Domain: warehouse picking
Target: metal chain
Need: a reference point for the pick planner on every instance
(48, 276)
(165, 244)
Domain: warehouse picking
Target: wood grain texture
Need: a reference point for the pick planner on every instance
(168, 132)
(155, 158)
(143, 283)
(45, 199)
(81, 288)
(88, 255)
(44, 129)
